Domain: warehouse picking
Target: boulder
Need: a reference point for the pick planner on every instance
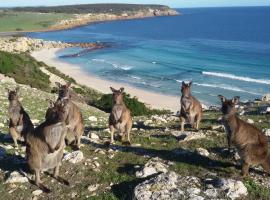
(92, 119)
(250, 121)
(16, 177)
(202, 152)
(234, 189)
(37, 192)
(164, 186)
(266, 97)
(266, 132)
(74, 157)
(153, 166)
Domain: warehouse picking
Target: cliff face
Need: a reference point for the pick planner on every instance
(83, 19)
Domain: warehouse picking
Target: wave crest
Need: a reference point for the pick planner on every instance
(234, 77)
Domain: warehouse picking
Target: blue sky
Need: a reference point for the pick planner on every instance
(172, 3)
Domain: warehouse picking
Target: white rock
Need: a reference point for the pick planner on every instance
(74, 157)
(92, 119)
(37, 192)
(93, 188)
(35, 121)
(16, 177)
(202, 152)
(211, 193)
(266, 97)
(158, 119)
(250, 121)
(147, 122)
(153, 166)
(188, 136)
(93, 136)
(2, 125)
(266, 132)
(234, 189)
(162, 187)
(193, 190)
(217, 127)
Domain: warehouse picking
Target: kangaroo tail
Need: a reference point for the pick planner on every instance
(266, 164)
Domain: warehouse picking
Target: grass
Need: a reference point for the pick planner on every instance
(29, 21)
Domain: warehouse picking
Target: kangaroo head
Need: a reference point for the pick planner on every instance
(63, 90)
(186, 88)
(117, 95)
(56, 111)
(228, 105)
(13, 94)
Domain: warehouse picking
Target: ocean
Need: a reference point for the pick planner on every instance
(222, 50)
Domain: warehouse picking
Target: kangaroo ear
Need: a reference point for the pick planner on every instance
(58, 84)
(183, 83)
(236, 99)
(122, 89)
(222, 98)
(190, 83)
(112, 89)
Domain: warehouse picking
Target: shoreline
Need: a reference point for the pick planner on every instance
(161, 101)
(80, 24)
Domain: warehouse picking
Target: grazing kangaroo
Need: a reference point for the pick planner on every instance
(191, 108)
(74, 120)
(251, 144)
(45, 146)
(19, 121)
(120, 117)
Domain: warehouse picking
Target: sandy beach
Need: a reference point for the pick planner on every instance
(154, 100)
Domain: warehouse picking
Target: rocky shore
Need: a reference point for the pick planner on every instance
(25, 44)
(84, 19)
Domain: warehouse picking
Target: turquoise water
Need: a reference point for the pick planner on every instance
(222, 50)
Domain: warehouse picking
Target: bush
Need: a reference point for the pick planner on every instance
(24, 69)
(136, 107)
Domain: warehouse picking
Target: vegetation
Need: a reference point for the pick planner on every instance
(28, 21)
(24, 69)
(91, 8)
(116, 175)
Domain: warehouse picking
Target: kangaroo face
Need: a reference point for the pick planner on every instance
(186, 89)
(56, 112)
(117, 95)
(228, 106)
(13, 94)
(64, 91)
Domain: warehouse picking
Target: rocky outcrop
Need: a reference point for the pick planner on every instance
(83, 19)
(174, 186)
(25, 44)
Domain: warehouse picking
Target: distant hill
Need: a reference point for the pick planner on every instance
(91, 8)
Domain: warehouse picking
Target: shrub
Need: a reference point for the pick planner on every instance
(24, 69)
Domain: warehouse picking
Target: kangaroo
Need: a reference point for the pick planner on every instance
(19, 121)
(45, 146)
(249, 141)
(191, 108)
(120, 117)
(74, 119)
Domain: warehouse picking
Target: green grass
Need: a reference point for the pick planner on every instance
(24, 69)
(29, 21)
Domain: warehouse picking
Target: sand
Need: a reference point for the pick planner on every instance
(154, 100)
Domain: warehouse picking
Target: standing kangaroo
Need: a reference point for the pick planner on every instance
(120, 117)
(191, 109)
(251, 144)
(45, 146)
(19, 121)
(74, 120)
